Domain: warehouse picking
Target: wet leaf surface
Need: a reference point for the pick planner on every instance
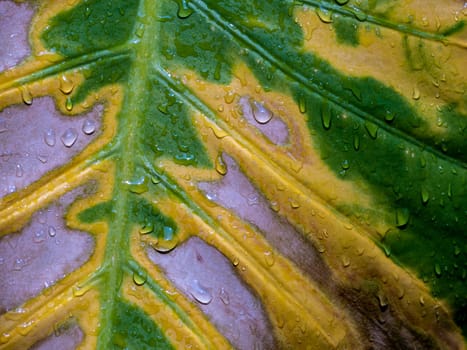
(233, 174)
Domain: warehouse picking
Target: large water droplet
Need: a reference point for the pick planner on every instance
(89, 126)
(261, 114)
(402, 217)
(139, 278)
(324, 15)
(326, 116)
(148, 227)
(200, 292)
(69, 137)
(416, 93)
(68, 104)
(183, 10)
(220, 165)
(26, 96)
(49, 137)
(66, 85)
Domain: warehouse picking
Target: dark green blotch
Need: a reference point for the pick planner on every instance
(144, 214)
(90, 26)
(346, 30)
(100, 73)
(99, 212)
(134, 329)
(168, 128)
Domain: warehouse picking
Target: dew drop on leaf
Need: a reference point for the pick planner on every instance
(425, 195)
(356, 142)
(261, 114)
(438, 270)
(345, 164)
(269, 258)
(342, 2)
(148, 227)
(19, 170)
(326, 116)
(68, 104)
(66, 85)
(372, 129)
(89, 126)
(183, 10)
(416, 93)
(200, 293)
(139, 278)
(324, 15)
(224, 296)
(402, 217)
(52, 231)
(69, 137)
(49, 137)
(220, 165)
(26, 96)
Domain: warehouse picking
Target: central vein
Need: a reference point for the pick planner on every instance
(131, 118)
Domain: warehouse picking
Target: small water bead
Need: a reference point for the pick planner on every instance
(19, 170)
(69, 104)
(43, 158)
(50, 138)
(220, 165)
(402, 217)
(224, 296)
(139, 278)
(200, 292)
(69, 137)
(324, 15)
(269, 258)
(261, 114)
(52, 231)
(416, 93)
(89, 126)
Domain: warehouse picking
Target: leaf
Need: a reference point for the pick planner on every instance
(246, 174)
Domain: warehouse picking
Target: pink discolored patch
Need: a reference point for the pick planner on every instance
(64, 339)
(44, 252)
(236, 193)
(264, 120)
(204, 275)
(15, 18)
(36, 139)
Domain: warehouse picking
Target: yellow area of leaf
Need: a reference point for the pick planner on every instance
(436, 74)
(73, 296)
(347, 248)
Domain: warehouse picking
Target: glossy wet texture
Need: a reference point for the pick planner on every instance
(206, 277)
(33, 259)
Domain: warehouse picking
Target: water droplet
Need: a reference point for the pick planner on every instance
(425, 195)
(229, 97)
(200, 292)
(19, 170)
(66, 85)
(155, 179)
(372, 129)
(52, 231)
(438, 270)
(345, 164)
(294, 204)
(457, 250)
(148, 227)
(261, 114)
(89, 126)
(402, 217)
(235, 261)
(388, 116)
(383, 302)
(183, 10)
(421, 300)
(220, 165)
(342, 2)
(387, 250)
(324, 15)
(43, 158)
(87, 11)
(269, 258)
(168, 242)
(345, 261)
(302, 104)
(4, 338)
(356, 142)
(422, 161)
(26, 96)
(358, 13)
(326, 116)
(69, 137)
(140, 30)
(68, 104)
(416, 93)
(79, 291)
(49, 137)
(139, 278)
(224, 296)
(137, 186)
